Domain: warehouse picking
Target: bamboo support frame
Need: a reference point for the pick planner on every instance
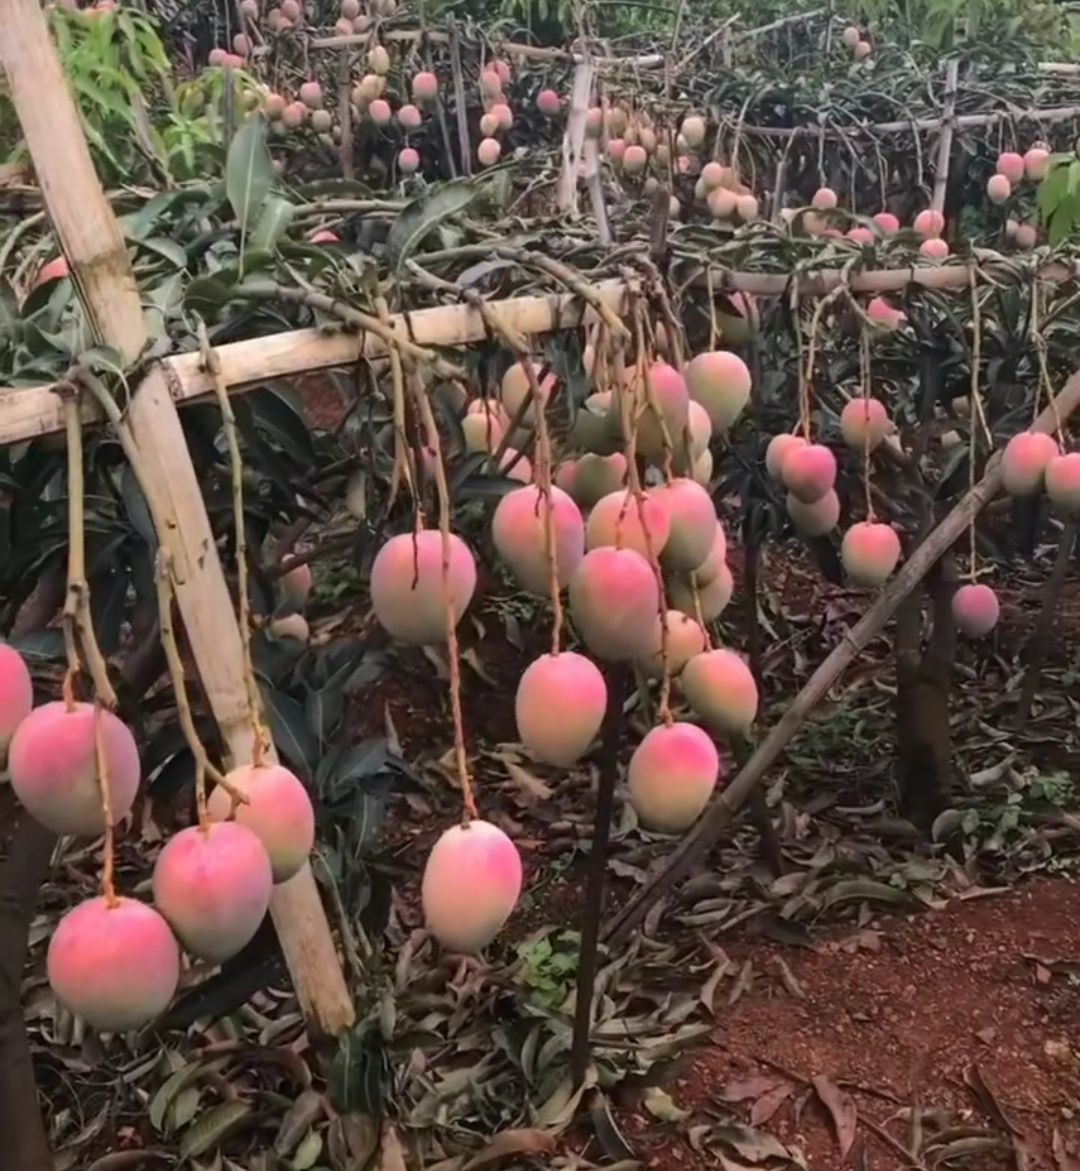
(961, 122)
(941, 173)
(29, 412)
(720, 812)
(93, 243)
(574, 137)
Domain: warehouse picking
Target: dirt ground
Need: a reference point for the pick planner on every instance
(970, 1014)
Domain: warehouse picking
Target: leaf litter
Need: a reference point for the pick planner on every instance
(472, 1053)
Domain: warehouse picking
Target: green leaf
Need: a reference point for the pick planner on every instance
(273, 223)
(164, 247)
(208, 294)
(249, 172)
(1052, 189)
(212, 1128)
(290, 729)
(865, 890)
(426, 213)
(1074, 176)
(170, 1090)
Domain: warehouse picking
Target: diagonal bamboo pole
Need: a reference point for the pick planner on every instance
(941, 173)
(94, 246)
(700, 839)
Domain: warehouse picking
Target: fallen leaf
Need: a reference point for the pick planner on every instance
(842, 1110)
(751, 1087)
(768, 1104)
(525, 1141)
(607, 1133)
(531, 788)
(212, 1128)
(132, 1160)
(744, 981)
(391, 1156)
(755, 1146)
(788, 977)
(986, 1098)
(660, 1104)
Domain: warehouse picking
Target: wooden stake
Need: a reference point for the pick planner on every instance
(209, 619)
(95, 248)
(941, 174)
(917, 125)
(461, 109)
(700, 839)
(597, 881)
(574, 137)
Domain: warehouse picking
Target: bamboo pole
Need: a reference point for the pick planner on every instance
(84, 222)
(962, 122)
(941, 173)
(574, 138)
(30, 412)
(511, 48)
(93, 243)
(700, 839)
(209, 619)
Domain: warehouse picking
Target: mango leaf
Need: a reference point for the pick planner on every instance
(207, 294)
(426, 213)
(273, 223)
(40, 645)
(523, 1141)
(290, 730)
(249, 172)
(841, 1109)
(213, 1128)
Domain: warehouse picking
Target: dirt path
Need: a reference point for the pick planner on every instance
(913, 1011)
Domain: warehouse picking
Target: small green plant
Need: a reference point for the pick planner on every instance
(138, 124)
(549, 966)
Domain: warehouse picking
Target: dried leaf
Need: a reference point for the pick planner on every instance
(531, 788)
(986, 1098)
(708, 989)
(175, 1085)
(559, 1109)
(744, 981)
(751, 1087)
(963, 1148)
(755, 1146)
(308, 1152)
(660, 1104)
(525, 1141)
(391, 1156)
(607, 1133)
(841, 1107)
(134, 1160)
(865, 890)
(788, 976)
(768, 1104)
(297, 1121)
(214, 1126)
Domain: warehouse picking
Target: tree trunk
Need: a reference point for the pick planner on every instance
(923, 682)
(26, 1147)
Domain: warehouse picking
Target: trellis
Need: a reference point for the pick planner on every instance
(92, 241)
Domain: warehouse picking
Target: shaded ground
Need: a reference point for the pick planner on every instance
(963, 1019)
